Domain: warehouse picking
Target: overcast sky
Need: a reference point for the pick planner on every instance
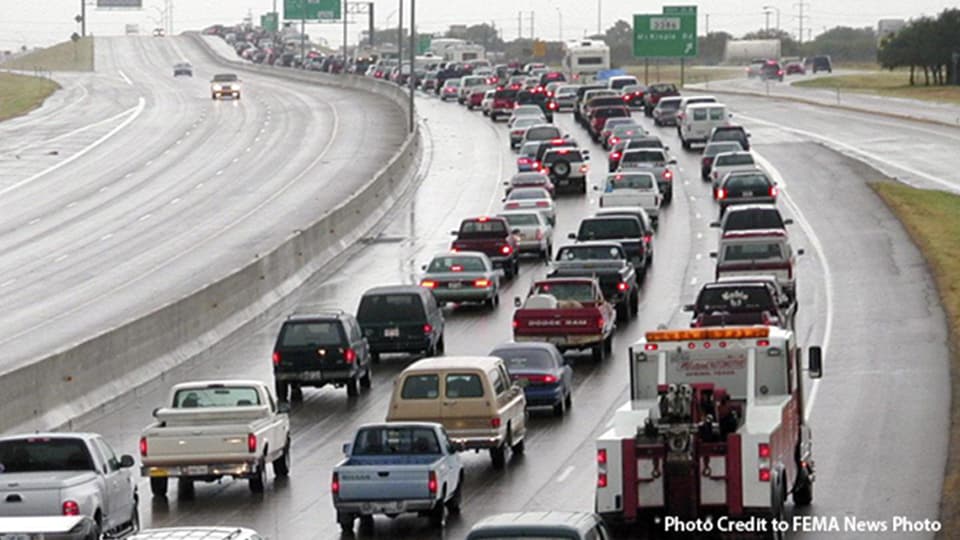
(42, 22)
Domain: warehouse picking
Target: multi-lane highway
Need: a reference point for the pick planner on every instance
(879, 415)
(135, 188)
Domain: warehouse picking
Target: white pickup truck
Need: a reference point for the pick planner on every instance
(632, 189)
(68, 474)
(212, 429)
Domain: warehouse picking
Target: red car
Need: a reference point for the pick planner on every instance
(475, 99)
(491, 236)
(598, 119)
(795, 68)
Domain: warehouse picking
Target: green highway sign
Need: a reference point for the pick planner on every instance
(671, 35)
(270, 22)
(674, 10)
(311, 10)
(423, 43)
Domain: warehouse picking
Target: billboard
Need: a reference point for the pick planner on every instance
(128, 4)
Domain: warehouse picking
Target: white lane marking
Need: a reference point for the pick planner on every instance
(699, 256)
(699, 235)
(101, 190)
(34, 221)
(136, 111)
(869, 156)
(106, 237)
(198, 186)
(71, 133)
(8, 282)
(219, 172)
(236, 159)
(827, 275)
(71, 205)
(176, 47)
(60, 258)
(128, 175)
(699, 216)
(144, 217)
(124, 76)
(693, 281)
(175, 201)
(565, 474)
(148, 163)
(179, 141)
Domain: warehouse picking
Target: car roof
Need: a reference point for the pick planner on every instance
(477, 254)
(592, 243)
(542, 345)
(747, 279)
(317, 315)
(538, 522)
(759, 207)
(402, 424)
(741, 234)
(736, 153)
(395, 289)
(219, 382)
(194, 533)
(485, 363)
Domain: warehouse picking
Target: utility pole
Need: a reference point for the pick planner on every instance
(344, 13)
(707, 15)
(413, 55)
(83, 18)
(532, 33)
(519, 25)
(373, 29)
(560, 23)
(400, 34)
(599, 16)
(800, 17)
(766, 26)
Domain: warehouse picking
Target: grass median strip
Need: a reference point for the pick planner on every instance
(66, 56)
(20, 94)
(886, 83)
(933, 220)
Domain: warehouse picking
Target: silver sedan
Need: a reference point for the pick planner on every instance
(533, 232)
(465, 276)
(532, 198)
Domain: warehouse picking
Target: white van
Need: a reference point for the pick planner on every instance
(699, 120)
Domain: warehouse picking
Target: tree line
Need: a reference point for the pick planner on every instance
(932, 45)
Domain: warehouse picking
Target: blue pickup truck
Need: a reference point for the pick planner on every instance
(395, 468)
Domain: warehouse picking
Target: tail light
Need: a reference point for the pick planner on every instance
(335, 484)
(549, 379)
(780, 72)
(506, 249)
(763, 462)
(601, 467)
(584, 168)
(71, 508)
(650, 347)
(524, 161)
(251, 443)
(350, 355)
(623, 286)
(427, 328)
(626, 98)
(543, 204)
(536, 164)
(495, 422)
(481, 283)
(721, 194)
(544, 170)
(512, 205)
(143, 446)
(613, 140)
(773, 191)
(552, 105)
(515, 323)
(648, 238)
(602, 456)
(600, 322)
(432, 483)
(602, 480)
(763, 343)
(667, 174)
(428, 284)
(276, 358)
(615, 155)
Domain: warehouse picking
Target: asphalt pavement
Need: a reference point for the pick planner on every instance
(879, 415)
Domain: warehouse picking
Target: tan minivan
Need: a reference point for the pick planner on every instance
(472, 396)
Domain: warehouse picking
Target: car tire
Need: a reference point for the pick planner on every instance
(366, 523)
(518, 448)
(623, 312)
(353, 388)
(281, 465)
(498, 456)
(441, 346)
(599, 352)
(438, 514)
(282, 390)
(258, 481)
(635, 301)
(803, 490)
(375, 357)
(346, 522)
(134, 524)
(559, 408)
(158, 486)
(453, 504)
(296, 394)
(608, 344)
(569, 401)
(185, 489)
(365, 380)
(493, 117)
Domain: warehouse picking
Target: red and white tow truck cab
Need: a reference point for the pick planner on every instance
(714, 427)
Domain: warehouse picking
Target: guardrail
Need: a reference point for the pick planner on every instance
(51, 392)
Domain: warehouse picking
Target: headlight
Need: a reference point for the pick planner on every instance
(217, 87)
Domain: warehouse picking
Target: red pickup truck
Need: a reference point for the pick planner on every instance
(571, 313)
(493, 237)
(504, 101)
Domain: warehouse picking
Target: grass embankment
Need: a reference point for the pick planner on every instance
(692, 74)
(933, 220)
(67, 56)
(886, 83)
(22, 94)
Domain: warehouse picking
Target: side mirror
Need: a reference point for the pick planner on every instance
(800, 252)
(126, 461)
(815, 363)
(423, 267)
(667, 148)
(347, 448)
(715, 224)
(454, 233)
(503, 199)
(688, 307)
(672, 162)
(788, 221)
(517, 302)
(515, 231)
(596, 188)
(713, 254)
(459, 446)
(283, 407)
(730, 115)
(506, 183)
(749, 135)
(154, 413)
(572, 236)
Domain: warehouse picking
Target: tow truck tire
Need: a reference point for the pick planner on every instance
(158, 486)
(281, 465)
(635, 300)
(608, 344)
(346, 522)
(498, 456)
(803, 491)
(353, 389)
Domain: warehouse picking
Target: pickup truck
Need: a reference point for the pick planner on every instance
(654, 93)
(493, 237)
(607, 262)
(758, 252)
(632, 189)
(212, 429)
(394, 468)
(742, 300)
(68, 474)
(571, 313)
(503, 103)
(627, 230)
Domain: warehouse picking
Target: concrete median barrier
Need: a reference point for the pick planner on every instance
(50, 392)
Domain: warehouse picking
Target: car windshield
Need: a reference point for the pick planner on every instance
(735, 159)
(383, 441)
(528, 194)
(607, 228)
(519, 220)
(35, 454)
(734, 299)
(225, 77)
(566, 292)
(642, 156)
(751, 251)
(713, 149)
(627, 130)
(483, 229)
(457, 264)
(542, 133)
(382, 308)
(590, 253)
(217, 396)
(522, 359)
(630, 181)
(311, 334)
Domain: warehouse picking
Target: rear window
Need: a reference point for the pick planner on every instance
(527, 194)
(505, 94)
(590, 253)
(630, 181)
(490, 228)
(463, 385)
(569, 154)
(752, 251)
(44, 454)
(735, 159)
(644, 143)
(700, 114)
(421, 387)
(526, 359)
(669, 104)
(380, 308)
(224, 396)
(604, 229)
(620, 83)
(643, 157)
(567, 292)
(714, 149)
(752, 219)
(456, 264)
(611, 113)
(384, 441)
(516, 220)
(311, 334)
(734, 299)
(717, 114)
(542, 133)
(748, 181)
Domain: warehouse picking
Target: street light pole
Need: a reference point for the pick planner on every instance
(766, 26)
(413, 56)
(774, 8)
(83, 18)
(400, 33)
(560, 22)
(599, 16)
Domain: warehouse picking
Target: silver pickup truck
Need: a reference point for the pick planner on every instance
(213, 429)
(395, 468)
(68, 474)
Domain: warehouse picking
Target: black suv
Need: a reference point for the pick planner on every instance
(401, 319)
(730, 133)
(819, 63)
(318, 349)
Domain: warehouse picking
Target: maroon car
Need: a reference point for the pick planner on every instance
(653, 94)
(493, 237)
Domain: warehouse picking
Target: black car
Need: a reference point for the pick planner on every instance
(747, 187)
(182, 69)
(319, 349)
(401, 319)
(771, 71)
(746, 300)
(730, 133)
(819, 63)
(540, 99)
(748, 217)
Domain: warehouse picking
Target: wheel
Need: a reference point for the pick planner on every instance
(518, 447)
(608, 344)
(599, 352)
(366, 523)
(561, 168)
(453, 504)
(353, 389)
(259, 480)
(516, 267)
(134, 524)
(441, 346)
(635, 300)
(499, 456)
(213, 97)
(281, 466)
(375, 357)
(469, 107)
(346, 522)
(492, 302)
(623, 311)
(508, 271)
(296, 394)
(438, 514)
(365, 381)
(158, 486)
(545, 254)
(569, 401)
(803, 490)
(559, 408)
(684, 143)
(493, 117)
(185, 489)
(583, 187)
(282, 389)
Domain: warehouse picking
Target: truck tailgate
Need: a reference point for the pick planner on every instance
(197, 444)
(565, 321)
(37, 493)
(386, 478)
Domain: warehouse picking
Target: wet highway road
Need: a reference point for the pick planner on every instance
(135, 188)
(863, 288)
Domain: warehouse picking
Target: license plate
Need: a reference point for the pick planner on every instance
(391, 332)
(748, 194)
(197, 470)
(454, 285)
(558, 340)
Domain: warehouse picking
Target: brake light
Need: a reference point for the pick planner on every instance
(495, 422)
(483, 219)
(648, 238)
(763, 343)
(557, 141)
(543, 204)
(349, 355)
(506, 249)
(481, 283)
(276, 358)
(584, 168)
(615, 155)
(602, 480)
(667, 174)
(549, 379)
(613, 140)
(71, 508)
(626, 98)
(512, 205)
(763, 451)
(651, 347)
(763, 462)
(143, 446)
(764, 475)
(773, 191)
(721, 194)
(600, 322)
(428, 284)
(524, 161)
(432, 483)
(602, 456)
(623, 286)
(515, 323)
(335, 484)
(251, 442)
(536, 164)
(552, 105)
(427, 328)
(456, 268)
(780, 72)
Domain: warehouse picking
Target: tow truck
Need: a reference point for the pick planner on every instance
(714, 429)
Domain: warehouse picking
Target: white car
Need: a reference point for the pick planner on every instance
(632, 189)
(526, 110)
(225, 84)
(467, 83)
(487, 102)
(532, 198)
(518, 129)
(535, 233)
(728, 162)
